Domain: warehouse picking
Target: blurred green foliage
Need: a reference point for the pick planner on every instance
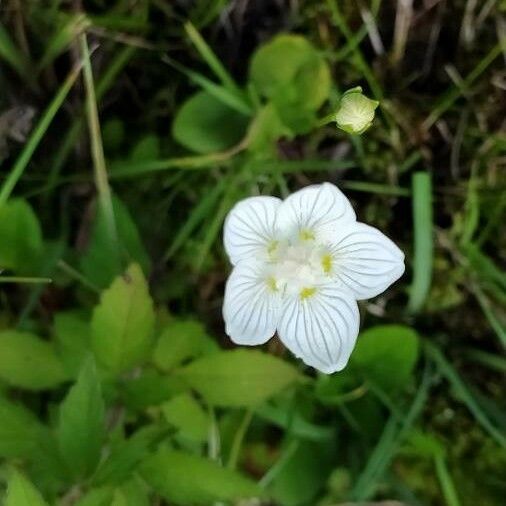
(117, 384)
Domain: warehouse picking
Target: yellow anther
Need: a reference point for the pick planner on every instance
(271, 284)
(272, 247)
(307, 292)
(326, 263)
(306, 235)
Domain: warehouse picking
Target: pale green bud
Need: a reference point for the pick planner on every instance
(356, 111)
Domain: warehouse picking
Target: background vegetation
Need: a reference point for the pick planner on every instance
(127, 131)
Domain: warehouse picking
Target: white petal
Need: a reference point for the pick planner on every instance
(250, 228)
(317, 210)
(252, 304)
(365, 260)
(321, 329)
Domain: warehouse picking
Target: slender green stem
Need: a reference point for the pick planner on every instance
(454, 93)
(271, 474)
(446, 482)
(37, 135)
(75, 274)
(238, 439)
(21, 279)
(97, 151)
(424, 246)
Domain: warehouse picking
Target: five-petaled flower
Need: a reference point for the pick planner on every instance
(300, 265)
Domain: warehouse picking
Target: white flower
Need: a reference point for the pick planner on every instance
(300, 265)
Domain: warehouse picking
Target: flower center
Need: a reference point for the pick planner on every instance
(299, 266)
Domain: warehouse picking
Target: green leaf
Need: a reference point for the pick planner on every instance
(21, 245)
(132, 493)
(266, 128)
(97, 497)
(123, 322)
(98, 263)
(386, 355)
(179, 341)
(292, 64)
(126, 455)
(29, 362)
(204, 124)
(187, 415)
(20, 431)
(72, 332)
(151, 389)
(81, 425)
(238, 377)
(146, 148)
(190, 480)
(303, 475)
(20, 492)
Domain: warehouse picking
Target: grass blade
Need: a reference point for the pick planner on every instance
(101, 180)
(37, 135)
(210, 58)
(423, 248)
(463, 392)
(14, 57)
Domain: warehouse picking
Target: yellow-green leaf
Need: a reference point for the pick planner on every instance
(29, 362)
(122, 323)
(238, 377)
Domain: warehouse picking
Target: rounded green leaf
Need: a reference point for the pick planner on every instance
(29, 362)
(386, 355)
(289, 69)
(238, 377)
(204, 124)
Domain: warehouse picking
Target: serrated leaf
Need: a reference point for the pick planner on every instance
(81, 424)
(123, 322)
(98, 262)
(238, 377)
(20, 492)
(179, 341)
(20, 431)
(186, 479)
(204, 124)
(29, 362)
(21, 245)
(386, 355)
(187, 415)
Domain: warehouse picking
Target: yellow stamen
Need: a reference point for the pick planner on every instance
(271, 284)
(326, 263)
(307, 292)
(306, 235)
(272, 247)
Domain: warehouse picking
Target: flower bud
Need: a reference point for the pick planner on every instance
(356, 111)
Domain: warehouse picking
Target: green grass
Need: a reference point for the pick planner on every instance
(108, 82)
